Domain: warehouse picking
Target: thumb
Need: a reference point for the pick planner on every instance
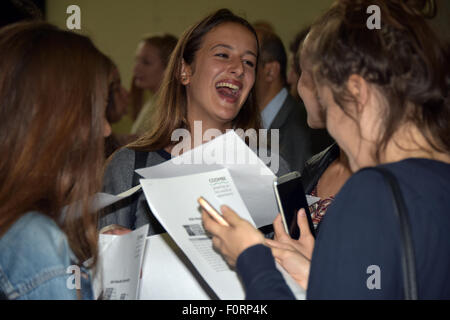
(302, 222)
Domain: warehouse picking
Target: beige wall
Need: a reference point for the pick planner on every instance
(116, 26)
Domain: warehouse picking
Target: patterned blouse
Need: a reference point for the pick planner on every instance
(319, 208)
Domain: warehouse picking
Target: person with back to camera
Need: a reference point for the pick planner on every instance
(218, 92)
(52, 124)
(387, 106)
(152, 57)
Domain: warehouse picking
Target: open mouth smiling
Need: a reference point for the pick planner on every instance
(229, 90)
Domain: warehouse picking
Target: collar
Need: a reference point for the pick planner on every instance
(273, 107)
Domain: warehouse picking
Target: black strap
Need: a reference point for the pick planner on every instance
(140, 160)
(408, 261)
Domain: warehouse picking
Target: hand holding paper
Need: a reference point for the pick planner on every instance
(233, 240)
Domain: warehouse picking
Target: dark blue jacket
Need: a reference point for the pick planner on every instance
(360, 231)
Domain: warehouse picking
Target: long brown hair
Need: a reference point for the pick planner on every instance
(165, 45)
(53, 91)
(171, 106)
(404, 60)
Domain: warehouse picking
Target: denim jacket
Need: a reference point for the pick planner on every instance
(36, 262)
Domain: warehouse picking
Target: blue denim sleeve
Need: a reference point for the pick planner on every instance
(53, 289)
(35, 260)
(261, 279)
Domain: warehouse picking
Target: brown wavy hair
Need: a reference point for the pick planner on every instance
(53, 91)
(404, 60)
(171, 106)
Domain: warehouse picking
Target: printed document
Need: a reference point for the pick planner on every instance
(119, 266)
(173, 201)
(253, 179)
(167, 274)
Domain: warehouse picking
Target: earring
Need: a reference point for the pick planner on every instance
(183, 77)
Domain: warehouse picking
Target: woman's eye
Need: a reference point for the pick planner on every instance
(249, 63)
(222, 55)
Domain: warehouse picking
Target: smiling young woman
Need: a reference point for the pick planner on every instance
(218, 86)
(209, 78)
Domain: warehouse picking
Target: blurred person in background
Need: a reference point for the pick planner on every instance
(152, 56)
(279, 110)
(118, 101)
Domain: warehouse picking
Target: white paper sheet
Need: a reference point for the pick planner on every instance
(252, 177)
(99, 201)
(174, 203)
(102, 200)
(167, 274)
(120, 260)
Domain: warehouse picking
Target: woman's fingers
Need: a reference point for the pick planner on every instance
(302, 222)
(278, 227)
(230, 216)
(210, 224)
(114, 229)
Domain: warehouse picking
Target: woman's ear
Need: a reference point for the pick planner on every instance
(359, 89)
(186, 72)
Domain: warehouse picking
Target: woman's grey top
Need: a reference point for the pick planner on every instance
(118, 178)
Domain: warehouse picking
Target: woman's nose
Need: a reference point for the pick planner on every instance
(136, 68)
(237, 67)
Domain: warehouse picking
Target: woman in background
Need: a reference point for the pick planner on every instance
(152, 57)
(118, 101)
(52, 123)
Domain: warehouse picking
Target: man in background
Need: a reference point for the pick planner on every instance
(279, 110)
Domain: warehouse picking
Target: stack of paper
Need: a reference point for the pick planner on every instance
(253, 179)
(184, 265)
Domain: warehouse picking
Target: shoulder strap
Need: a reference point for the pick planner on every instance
(140, 160)
(408, 262)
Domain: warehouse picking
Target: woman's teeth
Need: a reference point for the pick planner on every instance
(227, 85)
